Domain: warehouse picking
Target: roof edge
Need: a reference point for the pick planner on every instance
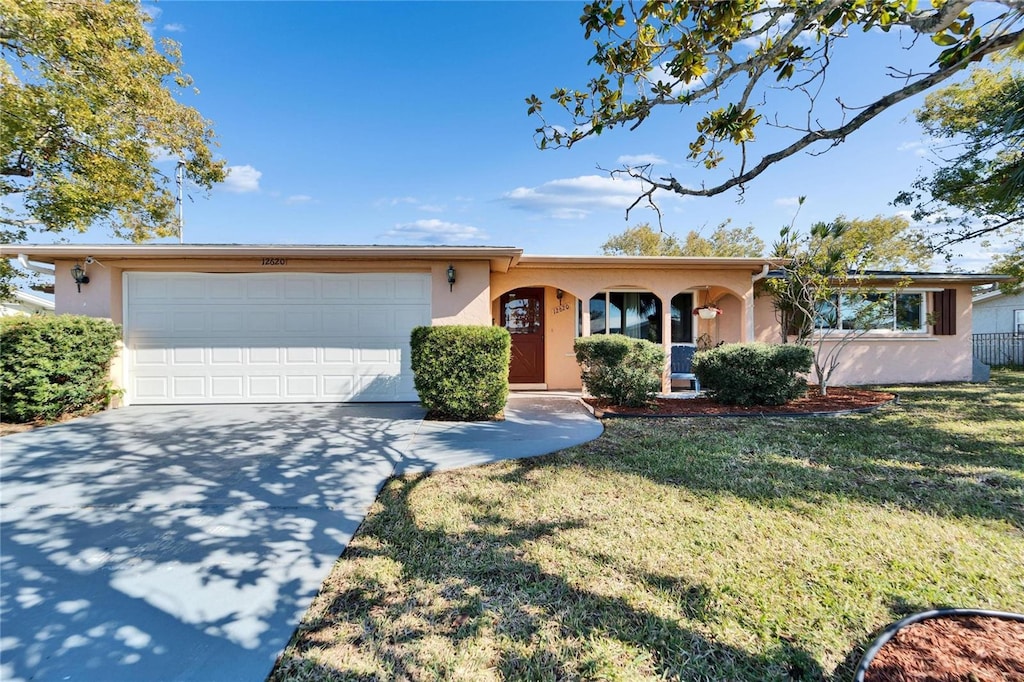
(501, 257)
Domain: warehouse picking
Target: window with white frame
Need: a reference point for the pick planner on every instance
(1018, 322)
(883, 311)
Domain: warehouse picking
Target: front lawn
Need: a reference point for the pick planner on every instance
(696, 549)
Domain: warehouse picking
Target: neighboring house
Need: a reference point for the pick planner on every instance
(231, 323)
(996, 313)
(25, 303)
(998, 326)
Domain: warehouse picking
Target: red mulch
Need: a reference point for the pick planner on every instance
(839, 399)
(954, 649)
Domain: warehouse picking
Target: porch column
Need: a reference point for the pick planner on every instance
(747, 332)
(666, 341)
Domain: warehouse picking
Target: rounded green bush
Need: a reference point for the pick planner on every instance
(753, 373)
(461, 371)
(619, 369)
(55, 365)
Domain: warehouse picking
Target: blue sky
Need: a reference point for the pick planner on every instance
(405, 123)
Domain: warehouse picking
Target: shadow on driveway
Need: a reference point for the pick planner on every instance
(185, 543)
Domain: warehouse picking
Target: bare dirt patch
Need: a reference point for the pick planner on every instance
(955, 649)
(7, 429)
(839, 399)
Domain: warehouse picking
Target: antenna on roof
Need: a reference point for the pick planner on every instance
(179, 176)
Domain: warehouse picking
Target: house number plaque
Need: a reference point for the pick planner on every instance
(274, 261)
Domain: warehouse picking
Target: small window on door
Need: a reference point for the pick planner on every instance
(523, 315)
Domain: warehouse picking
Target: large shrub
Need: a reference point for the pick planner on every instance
(753, 373)
(461, 371)
(619, 369)
(51, 366)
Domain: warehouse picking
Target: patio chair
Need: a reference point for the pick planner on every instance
(681, 364)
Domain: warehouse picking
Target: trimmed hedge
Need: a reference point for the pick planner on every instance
(619, 369)
(52, 366)
(461, 371)
(753, 373)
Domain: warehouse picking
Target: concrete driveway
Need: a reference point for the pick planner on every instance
(185, 543)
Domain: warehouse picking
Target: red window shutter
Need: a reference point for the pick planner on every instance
(944, 307)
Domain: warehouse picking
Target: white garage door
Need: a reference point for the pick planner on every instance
(251, 338)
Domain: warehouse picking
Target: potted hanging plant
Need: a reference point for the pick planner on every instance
(708, 311)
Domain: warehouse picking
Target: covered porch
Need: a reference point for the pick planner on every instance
(547, 302)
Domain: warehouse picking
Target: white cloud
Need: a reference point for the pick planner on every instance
(569, 213)
(435, 231)
(576, 198)
(411, 201)
(298, 199)
(152, 11)
(242, 179)
(921, 148)
(641, 160)
(787, 201)
(175, 28)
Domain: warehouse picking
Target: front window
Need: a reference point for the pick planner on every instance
(898, 312)
(638, 315)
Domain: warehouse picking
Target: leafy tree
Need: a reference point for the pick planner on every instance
(883, 243)
(88, 105)
(643, 240)
(815, 270)
(725, 241)
(735, 61)
(976, 190)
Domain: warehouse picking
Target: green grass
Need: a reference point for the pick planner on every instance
(695, 549)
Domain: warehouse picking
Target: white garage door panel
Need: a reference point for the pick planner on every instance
(195, 338)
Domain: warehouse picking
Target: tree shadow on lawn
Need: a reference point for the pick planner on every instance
(480, 583)
(873, 458)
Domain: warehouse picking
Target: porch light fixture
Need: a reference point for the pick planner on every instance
(451, 277)
(78, 273)
(559, 294)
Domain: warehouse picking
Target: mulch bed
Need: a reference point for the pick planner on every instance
(954, 649)
(839, 399)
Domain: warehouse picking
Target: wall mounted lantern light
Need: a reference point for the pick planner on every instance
(559, 294)
(451, 277)
(78, 273)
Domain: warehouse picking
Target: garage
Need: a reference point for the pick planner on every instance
(271, 337)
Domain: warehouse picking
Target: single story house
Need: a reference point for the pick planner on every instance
(265, 323)
(23, 303)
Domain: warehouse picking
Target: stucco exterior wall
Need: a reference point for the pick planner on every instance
(884, 358)
(96, 297)
(468, 302)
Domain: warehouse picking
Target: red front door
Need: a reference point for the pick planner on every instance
(522, 314)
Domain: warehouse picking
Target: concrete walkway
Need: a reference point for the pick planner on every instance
(185, 543)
